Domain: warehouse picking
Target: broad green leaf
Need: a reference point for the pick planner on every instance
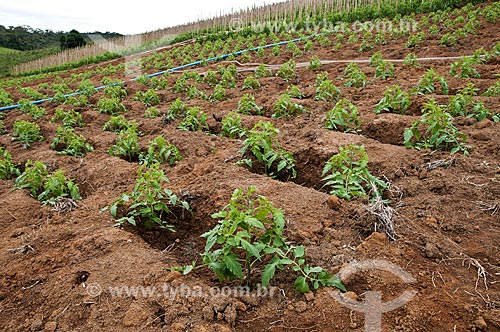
(268, 273)
(253, 249)
(113, 209)
(301, 285)
(299, 252)
(233, 265)
(188, 269)
(337, 283)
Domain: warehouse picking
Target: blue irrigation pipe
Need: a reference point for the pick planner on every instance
(193, 64)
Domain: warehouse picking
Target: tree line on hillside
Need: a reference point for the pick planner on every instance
(25, 38)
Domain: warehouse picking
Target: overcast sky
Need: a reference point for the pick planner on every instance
(111, 15)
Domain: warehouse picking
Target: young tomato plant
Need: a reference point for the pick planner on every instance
(384, 70)
(149, 203)
(462, 104)
(493, 90)
(376, 59)
(343, 117)
(250, 83)
(111, 106)
(294, 92)
(286, 107)
(415, 39)
(159, 152)
(463, 68)
(347, 174)
(119, 123)
(152, 112)
(126, 146)
(395, 100)
(354, 75)
(219, 93)
(262, 71)
(411, 60)
(327, 91)
(194, 119)
(33, 177)
(427, 83)
(5, 98)
(261, 146)
(249, 241)
(194, 93)
(314, 64)
(68, 143)
(57, 186)
(69, 119)
(231, 126)
(27, 132)
(116, 91)
(248, 106)
(440, 132)
(176, 110)
(148, 98)
(287, 71)
(31, 109)
(7, 167)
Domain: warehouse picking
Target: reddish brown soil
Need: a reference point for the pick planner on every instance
(447, 223)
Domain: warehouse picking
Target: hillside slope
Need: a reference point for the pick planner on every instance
(67, 268)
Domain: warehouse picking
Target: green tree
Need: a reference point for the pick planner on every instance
(72, 39)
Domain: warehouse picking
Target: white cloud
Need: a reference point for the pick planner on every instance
(117, 16)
